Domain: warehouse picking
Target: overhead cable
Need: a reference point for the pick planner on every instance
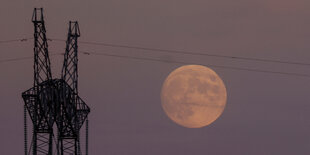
(190, 53)
(186, 63)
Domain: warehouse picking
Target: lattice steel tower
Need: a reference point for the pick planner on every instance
(38, 99)
(52, 101)
(73, 111)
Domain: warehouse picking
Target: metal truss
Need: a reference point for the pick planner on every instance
(70, 67)
(38, 99)
(73, 110)
(52, 101)
(42, 70)
(65, 107)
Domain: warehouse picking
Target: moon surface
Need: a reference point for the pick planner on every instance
(193, 96)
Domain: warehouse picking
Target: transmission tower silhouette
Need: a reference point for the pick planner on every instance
(54, 101)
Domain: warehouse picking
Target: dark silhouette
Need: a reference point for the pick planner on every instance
(51, 100)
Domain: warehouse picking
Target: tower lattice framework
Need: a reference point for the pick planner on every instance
(37, 99)
(54, 101)
(73, 111)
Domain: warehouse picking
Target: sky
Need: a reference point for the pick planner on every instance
(266, 114)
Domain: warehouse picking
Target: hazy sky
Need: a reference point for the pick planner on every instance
(266, 114)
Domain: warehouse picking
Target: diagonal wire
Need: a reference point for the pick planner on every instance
(15, 59)
(189, 53)
(183, 62)
(24, 58)
(170, 51)
(15, 40)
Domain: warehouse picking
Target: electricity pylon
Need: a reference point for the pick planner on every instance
(38, 99)
(54, 100)
(73, 111)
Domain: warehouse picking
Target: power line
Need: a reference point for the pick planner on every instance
(15, 40)
(190, 53)
(185, 63)
(15, 59)
(169, 51)
(24, 58)
(169, 61)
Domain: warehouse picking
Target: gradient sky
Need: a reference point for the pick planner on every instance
(266, 114)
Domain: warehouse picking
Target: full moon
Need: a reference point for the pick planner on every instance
(193, 96)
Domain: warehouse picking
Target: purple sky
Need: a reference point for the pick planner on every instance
(266, 114)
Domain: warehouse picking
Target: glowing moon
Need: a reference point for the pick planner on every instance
(193, 96)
